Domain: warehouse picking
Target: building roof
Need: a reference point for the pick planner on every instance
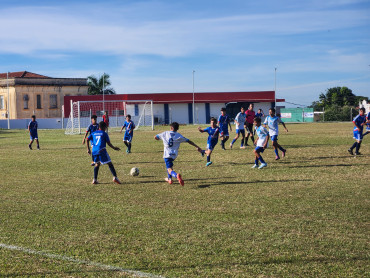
(22, 74)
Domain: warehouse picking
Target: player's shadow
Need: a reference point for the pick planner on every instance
(259, 182)
(63, 273)
(321, 165)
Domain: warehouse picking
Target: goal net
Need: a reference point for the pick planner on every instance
(141, 112)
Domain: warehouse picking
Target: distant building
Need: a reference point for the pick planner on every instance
(35, 94)
(170, 107)
(366, 105)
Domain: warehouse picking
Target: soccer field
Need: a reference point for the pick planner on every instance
(306, 215)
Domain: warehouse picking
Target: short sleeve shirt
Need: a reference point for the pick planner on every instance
(171, 142)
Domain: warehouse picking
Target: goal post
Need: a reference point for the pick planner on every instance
(141, 112)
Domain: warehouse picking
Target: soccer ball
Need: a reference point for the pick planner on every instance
(134, 171)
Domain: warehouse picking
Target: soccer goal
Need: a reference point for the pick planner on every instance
(141, 112)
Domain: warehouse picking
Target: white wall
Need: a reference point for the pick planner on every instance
(179, 113)
(52, 123)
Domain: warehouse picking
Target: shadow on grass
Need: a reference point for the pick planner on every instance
(61, 273)
(250, 182)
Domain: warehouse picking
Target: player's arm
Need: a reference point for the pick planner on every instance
(157, 137)
(83, 140)
(200, 129)
(113, 147)
(88, 146)
(284, 126)
(195, 145)
(230, 126)
(122, 128)
(265, 145)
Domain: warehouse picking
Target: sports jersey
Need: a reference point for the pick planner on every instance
(224, 122)
(262, 134)
(171, 142)
(92, 128)
(33, 126)
(358, 121)
(259, 115)
(250, 115)
(106, 119)
(212, 135)
(129, 125)
(368, 119)
(273, 124)
(98, 140)
(240, 120)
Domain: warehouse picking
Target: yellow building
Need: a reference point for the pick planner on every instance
(35, 94)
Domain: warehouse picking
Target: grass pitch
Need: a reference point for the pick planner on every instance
(306, 215)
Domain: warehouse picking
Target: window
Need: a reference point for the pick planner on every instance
(53, 101)
(2, 106)
(38, 102)
(25, 101)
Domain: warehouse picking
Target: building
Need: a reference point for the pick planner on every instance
(35, 94)
(171, 107)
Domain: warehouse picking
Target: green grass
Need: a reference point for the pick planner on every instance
(306, 215)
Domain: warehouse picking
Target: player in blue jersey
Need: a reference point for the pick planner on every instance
(129, 133)
(32, 129)
(261, 143)
(91, 128)
(171, 142)
(272, 121)
(213, 133)
(224, 124)
(359, 122)
(239, 123)
(99, 139)
(260, 114)
(367, 124)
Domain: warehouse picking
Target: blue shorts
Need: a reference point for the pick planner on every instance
(102, 157)
(169, 162)
(33, 135)
(242, 131)
(259, 149)
(368, 128)
(211, 146)
(357, 135)
(128, 137)
(274, 138)
(225, 132)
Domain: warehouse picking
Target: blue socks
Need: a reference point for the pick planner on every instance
(256, 161)
(112, 170)
(276, 152)
(232, 142)
(261, 159)
(96, 171)
(208, 158)
(174, 174)
(358, 147)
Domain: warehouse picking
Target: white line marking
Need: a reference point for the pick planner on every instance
(70, 259)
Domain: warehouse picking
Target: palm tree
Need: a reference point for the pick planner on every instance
(96, 85)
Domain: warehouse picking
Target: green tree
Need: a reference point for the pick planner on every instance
(96, 85)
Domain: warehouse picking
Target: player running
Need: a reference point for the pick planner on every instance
(224, 124)
(359, 122)
(249, 119)
(261, 143)
(129, 133)
(272, 122)
(32, 129)
(239, 122)
(213, 133)
(99, 139)
(171, 142)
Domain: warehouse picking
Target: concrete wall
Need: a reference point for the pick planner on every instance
(55, 123)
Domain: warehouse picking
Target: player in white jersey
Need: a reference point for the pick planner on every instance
(171, 141)
(239, 122)
(261, 143)
(272, 122)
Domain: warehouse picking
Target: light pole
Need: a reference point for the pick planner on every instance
(193, 100)
(275, 89)
(7, 85)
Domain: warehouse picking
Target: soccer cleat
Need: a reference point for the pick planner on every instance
(358, 153)
(231, 145)
(242, 147)
(262, 165)
(116, 180)
(255, 166)
(223, 147)
(30, 147)
(203, 152)
(350, 151)
(179, 178)
(95, 182)
(209, 163)
(38, 148)
(277, 157)
(283, 153)
(92, 164)
(168, 180)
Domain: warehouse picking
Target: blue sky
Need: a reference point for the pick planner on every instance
(234, 45)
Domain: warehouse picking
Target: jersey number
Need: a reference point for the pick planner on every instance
(170, 142)
(97, 140)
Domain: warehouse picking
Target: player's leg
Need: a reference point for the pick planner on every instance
(358, 146)
(256, 156)
(96, 172)
(243, 138)
(209, 152)
(357, 137)
(38, 144)
(236, 138)
(114, 173)
(260, 150)
(281, 148)
(350, 150)
(30, 144)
